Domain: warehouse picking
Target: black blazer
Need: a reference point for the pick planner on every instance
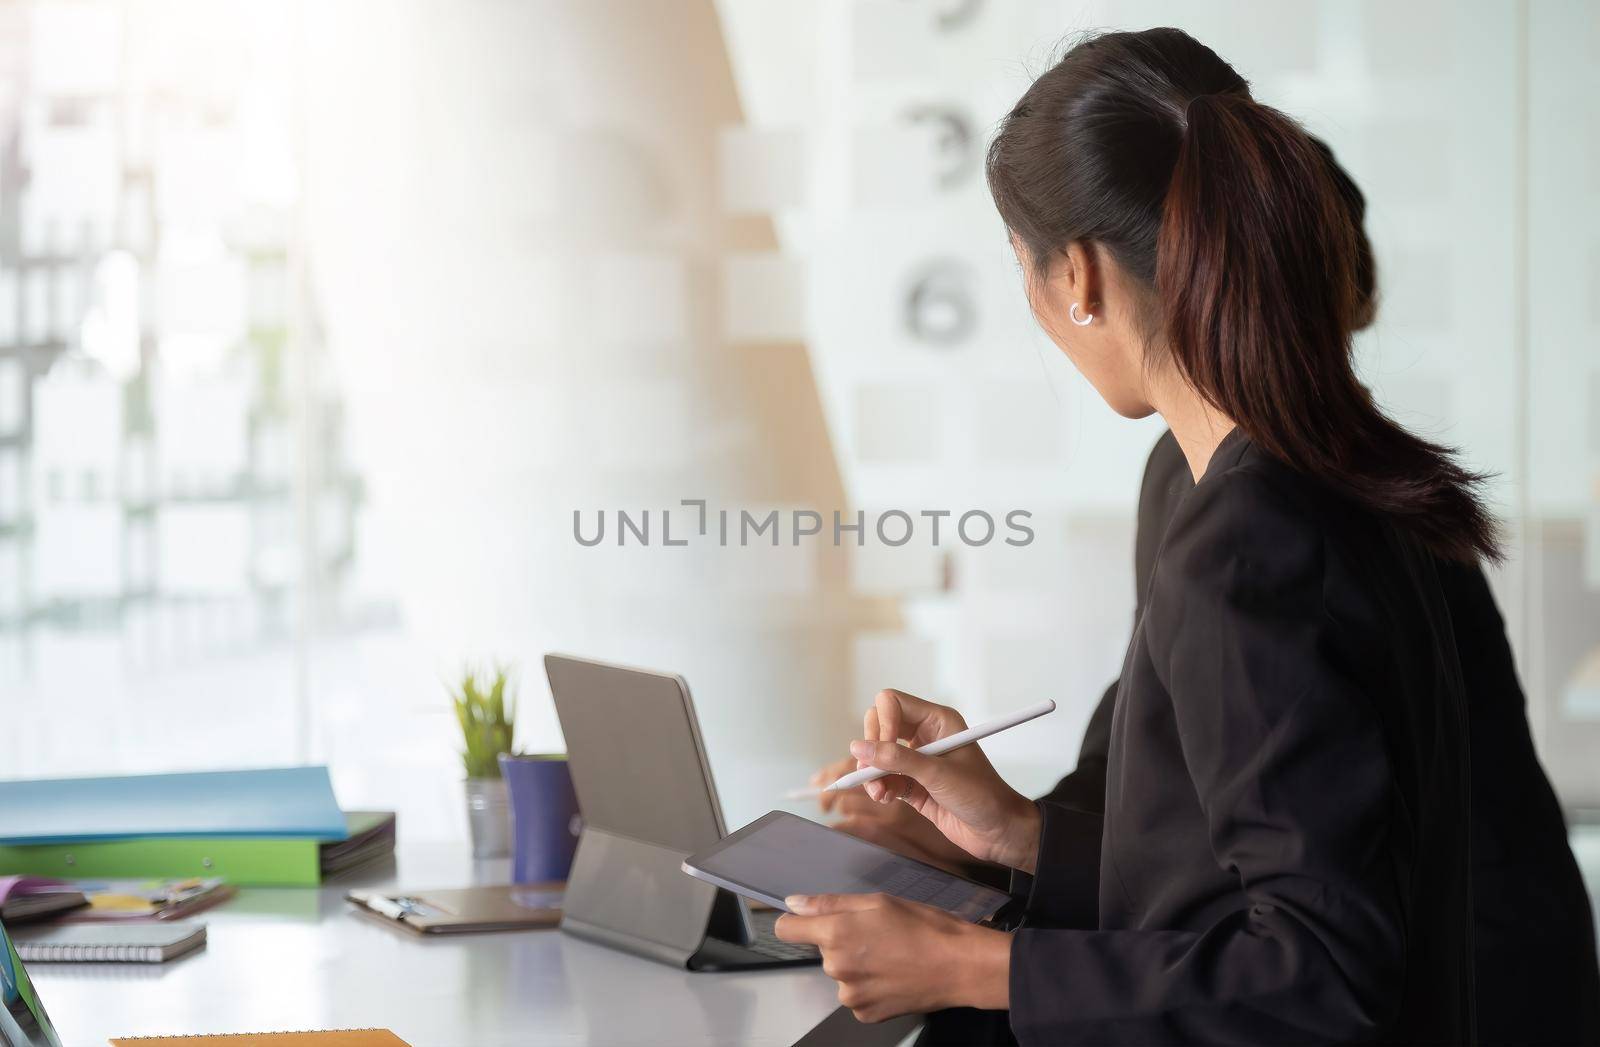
(1536, 976)
(1538, 981)
(1285, 835)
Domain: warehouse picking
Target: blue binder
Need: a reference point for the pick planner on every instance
(286, 801)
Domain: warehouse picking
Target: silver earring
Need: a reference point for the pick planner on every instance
(1073, 314)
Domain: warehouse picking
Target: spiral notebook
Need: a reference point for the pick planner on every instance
(110, 943)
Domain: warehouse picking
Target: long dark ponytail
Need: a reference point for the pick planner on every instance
(1247, 236)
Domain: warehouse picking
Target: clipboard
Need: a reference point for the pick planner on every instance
(464, 910)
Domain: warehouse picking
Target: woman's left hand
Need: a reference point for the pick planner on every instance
(893, 957)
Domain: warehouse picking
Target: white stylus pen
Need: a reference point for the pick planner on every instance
(955, 741)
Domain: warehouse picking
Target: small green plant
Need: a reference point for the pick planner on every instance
(486, 709)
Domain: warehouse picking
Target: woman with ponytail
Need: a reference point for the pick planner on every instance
(1285, 838)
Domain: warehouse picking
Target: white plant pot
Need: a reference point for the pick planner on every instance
(488, 817)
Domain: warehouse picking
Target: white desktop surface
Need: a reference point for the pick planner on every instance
(291, 958)
(287, 958)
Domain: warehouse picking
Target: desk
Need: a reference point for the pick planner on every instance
(288, 958)
(298, 959)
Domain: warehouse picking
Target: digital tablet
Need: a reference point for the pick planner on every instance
(780, 854)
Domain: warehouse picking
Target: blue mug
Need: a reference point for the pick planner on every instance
(544, 817)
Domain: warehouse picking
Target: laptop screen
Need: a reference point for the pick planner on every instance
(23, 1022)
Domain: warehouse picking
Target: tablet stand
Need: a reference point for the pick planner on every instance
(634, 896)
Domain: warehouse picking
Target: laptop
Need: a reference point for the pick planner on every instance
(648, 801)
(23, 1022)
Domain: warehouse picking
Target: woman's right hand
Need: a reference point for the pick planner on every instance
(960, 792)
(892, 825)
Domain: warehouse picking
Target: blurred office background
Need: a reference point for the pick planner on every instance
(318, 322)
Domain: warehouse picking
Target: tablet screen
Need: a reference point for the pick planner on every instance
(782, 854)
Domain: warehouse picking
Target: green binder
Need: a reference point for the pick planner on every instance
(242, 860)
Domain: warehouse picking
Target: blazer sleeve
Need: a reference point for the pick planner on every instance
(1074, 819)
(1288, 761)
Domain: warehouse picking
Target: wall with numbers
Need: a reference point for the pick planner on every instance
(1473, 130)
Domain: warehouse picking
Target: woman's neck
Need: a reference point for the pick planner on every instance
(1197, 426)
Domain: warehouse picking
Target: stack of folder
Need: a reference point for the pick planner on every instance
(278, 827)
(24, 898)
(135, 900)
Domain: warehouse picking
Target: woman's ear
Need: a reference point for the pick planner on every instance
(1081, 277)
